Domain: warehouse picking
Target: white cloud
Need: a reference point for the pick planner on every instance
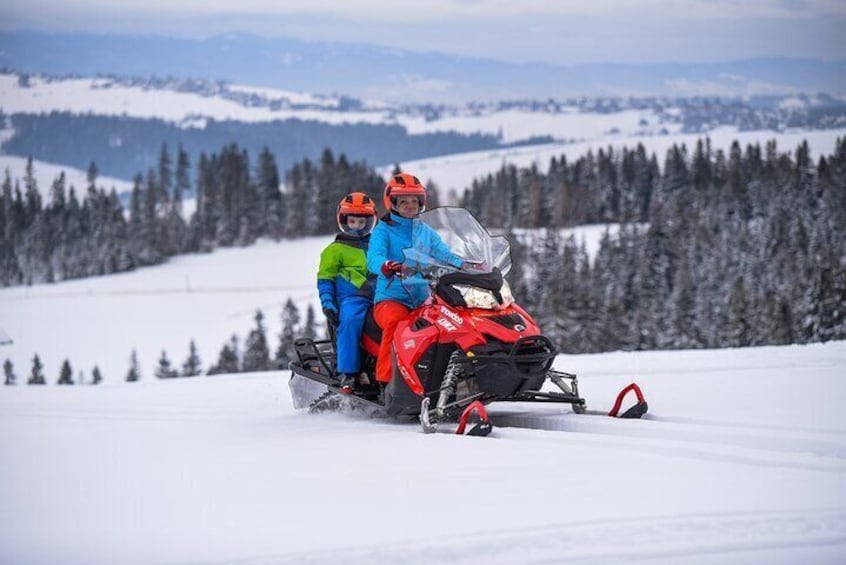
(433, 10)
(559, 32)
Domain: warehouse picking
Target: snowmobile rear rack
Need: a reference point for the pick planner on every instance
(313, 354)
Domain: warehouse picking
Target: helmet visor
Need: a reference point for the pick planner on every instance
(403, 202)
(356, 224)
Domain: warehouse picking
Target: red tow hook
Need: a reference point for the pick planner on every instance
(635, 411)
(475, 415)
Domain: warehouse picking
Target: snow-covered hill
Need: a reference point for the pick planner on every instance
(457, 172)
(46, 173)
(191, 109)
(576, 128)
(740, 461)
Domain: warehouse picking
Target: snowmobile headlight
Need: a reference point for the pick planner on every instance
(476, 297)
(505, 292)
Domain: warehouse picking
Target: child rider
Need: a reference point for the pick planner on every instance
(346, 289)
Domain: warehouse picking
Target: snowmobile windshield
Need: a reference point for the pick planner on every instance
(441, 236)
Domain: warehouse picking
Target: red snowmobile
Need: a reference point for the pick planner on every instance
(468, 345)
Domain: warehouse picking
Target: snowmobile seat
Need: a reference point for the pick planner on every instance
(371, 336)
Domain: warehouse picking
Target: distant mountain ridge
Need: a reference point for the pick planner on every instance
(372, 72)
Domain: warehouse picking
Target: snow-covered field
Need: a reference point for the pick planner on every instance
(741, 460)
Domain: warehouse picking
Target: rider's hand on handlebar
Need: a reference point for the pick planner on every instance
(474, 266)
(331, 313)
(391, 268)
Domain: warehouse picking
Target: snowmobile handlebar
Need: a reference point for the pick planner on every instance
(434, 272)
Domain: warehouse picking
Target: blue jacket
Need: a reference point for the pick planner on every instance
(387, 241)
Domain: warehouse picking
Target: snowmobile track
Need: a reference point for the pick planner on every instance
(727, 537)
(817, 450)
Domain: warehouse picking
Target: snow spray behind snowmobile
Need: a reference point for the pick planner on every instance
(469, 343)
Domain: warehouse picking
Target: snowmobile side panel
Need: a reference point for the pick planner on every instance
(400, 399)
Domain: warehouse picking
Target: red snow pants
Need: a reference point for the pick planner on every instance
(388, 314)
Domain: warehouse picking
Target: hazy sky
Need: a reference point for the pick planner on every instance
(513, 30)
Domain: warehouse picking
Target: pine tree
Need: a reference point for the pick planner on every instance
(36, 376)
(433, 199)
(228, 361)
(150, 237)
(256, 353)
(96, 375)
(134, 373)
(164, 370)
(192, 365)
(270, 196)
(309, 331)
(739, 329)
(92, 174)
(65, 374)
(177, 228)
(290, 324)
(9, 372)
(297, 198)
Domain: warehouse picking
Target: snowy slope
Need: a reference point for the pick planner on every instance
(105, 97)
(203, 297)
(743, 460)
(46, 173)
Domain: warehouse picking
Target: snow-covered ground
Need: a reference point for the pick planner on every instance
(741, 460)
(457, 172)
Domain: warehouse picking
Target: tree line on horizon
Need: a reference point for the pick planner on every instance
(74, 236)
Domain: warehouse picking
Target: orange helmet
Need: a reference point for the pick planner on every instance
(357, 205)
(404, 184)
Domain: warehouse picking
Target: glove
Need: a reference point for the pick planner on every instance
(331, 314)
(391, 268)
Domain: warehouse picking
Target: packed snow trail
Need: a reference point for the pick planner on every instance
(772, 538)
(223, 469)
